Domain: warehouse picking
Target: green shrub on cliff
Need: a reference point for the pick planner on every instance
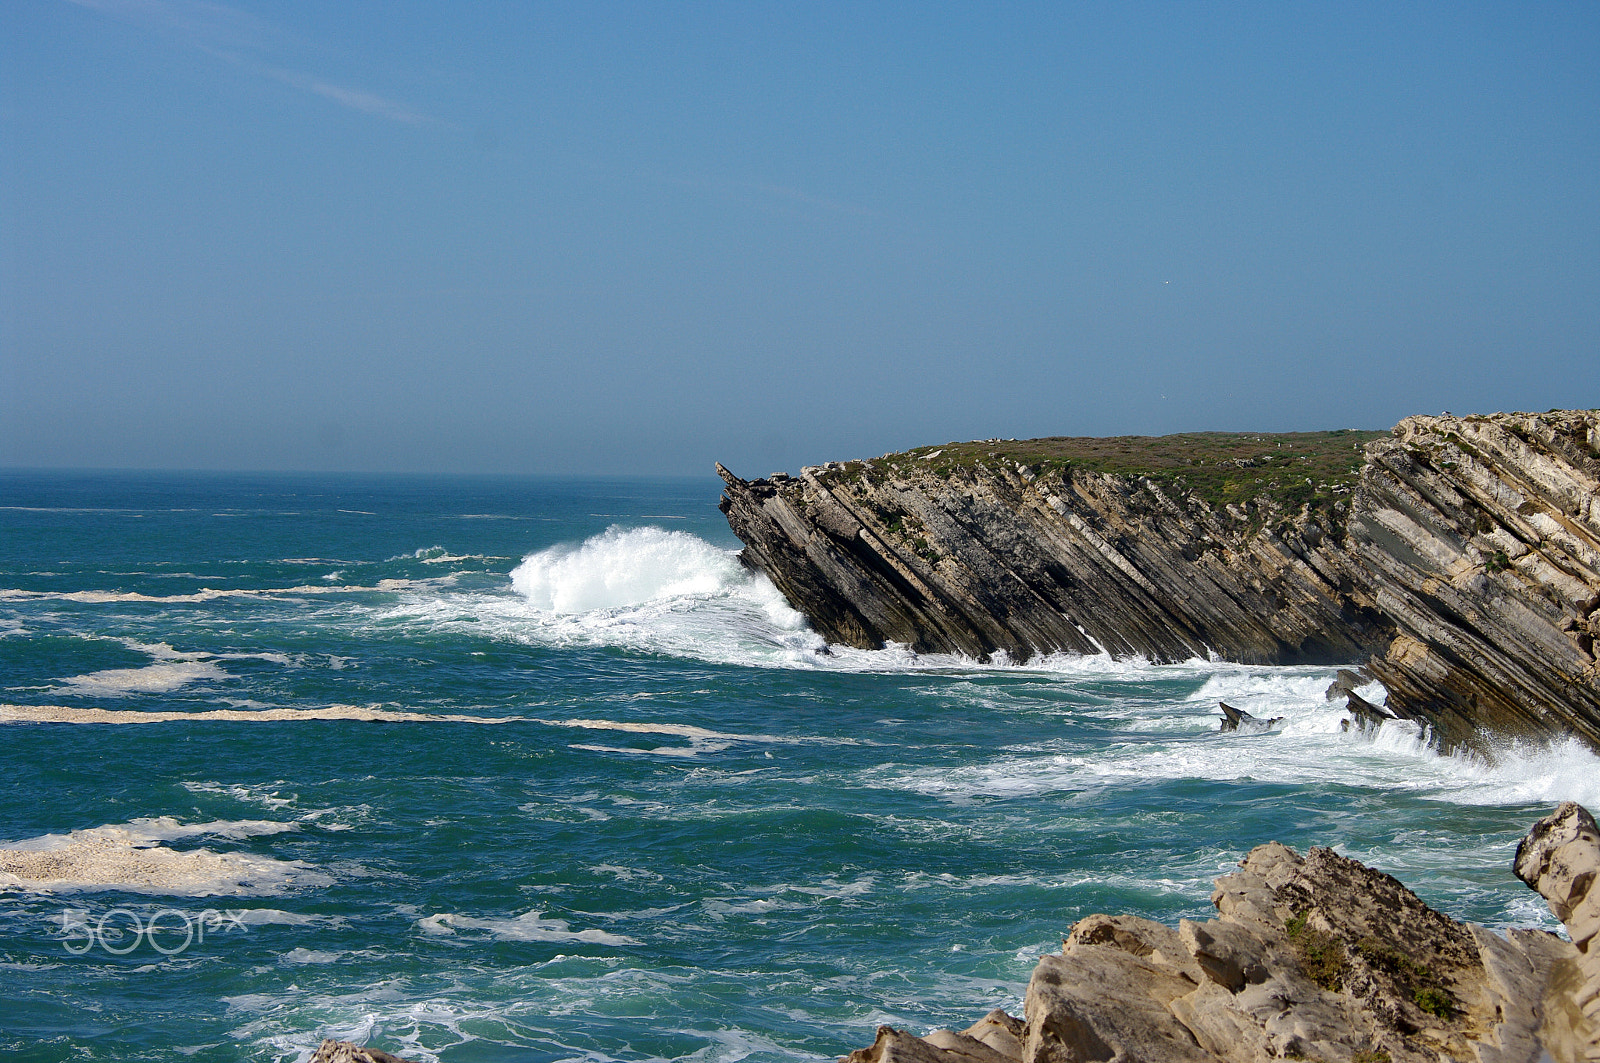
(1293, 469)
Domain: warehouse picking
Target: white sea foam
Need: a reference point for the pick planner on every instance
(438, 555)
(530, 926)
(299, 956)
(367, 713)
(701, 739)
(131, 857)
(209, 594)
(160, 678)
(278, 917)
(651, 590)
(272, 799)
(1311, 745)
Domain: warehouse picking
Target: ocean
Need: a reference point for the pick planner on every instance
(531, 769)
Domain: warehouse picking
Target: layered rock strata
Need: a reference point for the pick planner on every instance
(1478, 538)
(1465, 564)
(1314, 957)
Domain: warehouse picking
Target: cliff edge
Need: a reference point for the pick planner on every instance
(1460, 556)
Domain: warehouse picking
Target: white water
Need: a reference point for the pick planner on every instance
(625, 567)
(132, 857)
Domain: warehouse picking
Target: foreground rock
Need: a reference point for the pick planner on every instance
(331, 1051)
(1317, 958)
(1560, 858)
(1464, 561)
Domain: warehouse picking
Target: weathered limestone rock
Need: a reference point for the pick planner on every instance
(1314, 957)
(1560, 858)
(331, 1051)
(995, 1038)
(1467, 568)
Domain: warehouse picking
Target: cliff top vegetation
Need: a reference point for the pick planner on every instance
(1223, 468)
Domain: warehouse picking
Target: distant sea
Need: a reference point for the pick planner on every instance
(531, 769)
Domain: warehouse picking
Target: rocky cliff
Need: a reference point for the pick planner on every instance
(1461, 555)
(1314, 957)
(1478, 538)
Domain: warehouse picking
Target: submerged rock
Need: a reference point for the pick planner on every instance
(1314, 957)
(1237, 719)
(1462, 562)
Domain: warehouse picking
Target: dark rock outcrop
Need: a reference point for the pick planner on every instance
(1465, 565)
(1314, 957)
(984, 559)
(1237, 719)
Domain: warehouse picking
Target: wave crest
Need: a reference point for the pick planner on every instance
(622, 567)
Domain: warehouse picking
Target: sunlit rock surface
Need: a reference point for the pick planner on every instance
(1314, 957)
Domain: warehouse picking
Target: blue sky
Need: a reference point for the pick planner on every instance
(587, 237)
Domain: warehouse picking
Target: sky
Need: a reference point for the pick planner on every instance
(639, 238)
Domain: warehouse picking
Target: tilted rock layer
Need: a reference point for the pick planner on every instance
(1465, 563)
(1319, 958)
(1479, 539)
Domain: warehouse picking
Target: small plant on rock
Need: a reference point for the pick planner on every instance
(1435, 1001)
(1321, 955)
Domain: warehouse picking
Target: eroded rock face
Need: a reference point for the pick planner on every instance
(1467, 568)
(1315, 957)
(1560, 858)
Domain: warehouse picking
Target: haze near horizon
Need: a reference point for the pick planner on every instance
(601, 238)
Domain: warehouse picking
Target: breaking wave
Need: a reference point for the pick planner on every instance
(623, 567)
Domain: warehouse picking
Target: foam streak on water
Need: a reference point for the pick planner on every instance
(528, 771)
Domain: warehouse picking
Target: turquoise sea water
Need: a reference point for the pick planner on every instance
(592, 792)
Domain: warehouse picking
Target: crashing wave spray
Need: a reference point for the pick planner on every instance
(623, 567)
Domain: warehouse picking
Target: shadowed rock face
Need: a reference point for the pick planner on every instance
(986, 559)
(1318, 957)
(1466, 565)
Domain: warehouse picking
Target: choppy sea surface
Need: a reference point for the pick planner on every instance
(531, 769)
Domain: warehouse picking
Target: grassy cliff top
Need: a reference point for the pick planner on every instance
(1293, 468)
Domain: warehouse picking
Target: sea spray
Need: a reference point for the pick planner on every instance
(623, 567)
